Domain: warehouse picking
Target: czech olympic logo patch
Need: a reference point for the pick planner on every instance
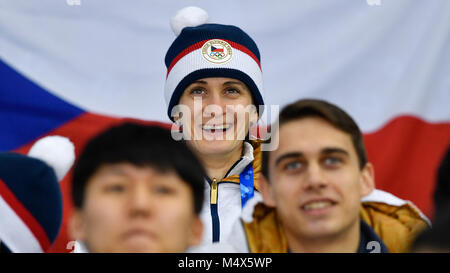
(217, 51)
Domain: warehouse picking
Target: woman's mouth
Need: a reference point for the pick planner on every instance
(220, 128)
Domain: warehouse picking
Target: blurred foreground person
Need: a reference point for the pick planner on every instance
(135, 189)
(31, 205)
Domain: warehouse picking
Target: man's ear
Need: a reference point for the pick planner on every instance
(367, 179)
(266, 191)
(196, 232)
(77, 225)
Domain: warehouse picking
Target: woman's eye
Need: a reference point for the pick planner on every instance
(232, 91)
(197, 92)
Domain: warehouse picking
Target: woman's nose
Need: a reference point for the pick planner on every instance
(214, 105)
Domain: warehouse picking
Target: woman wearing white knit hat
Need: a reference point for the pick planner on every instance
(213, 90)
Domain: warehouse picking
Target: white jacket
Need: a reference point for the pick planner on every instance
(222, 207)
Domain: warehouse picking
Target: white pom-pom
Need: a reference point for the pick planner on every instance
(57, 151)
(188, 17)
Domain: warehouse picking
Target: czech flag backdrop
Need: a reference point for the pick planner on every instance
(76, 67)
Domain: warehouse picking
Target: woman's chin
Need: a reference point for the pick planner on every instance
(216, 147)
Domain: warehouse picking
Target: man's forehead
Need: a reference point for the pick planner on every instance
(312, 135)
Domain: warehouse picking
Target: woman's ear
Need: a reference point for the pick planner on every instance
(178, 121)
(177, 117)
(253, 116)
(253, 120)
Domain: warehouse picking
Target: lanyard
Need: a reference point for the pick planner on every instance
(246, 183)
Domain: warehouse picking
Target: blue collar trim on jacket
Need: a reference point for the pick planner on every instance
(369, 241)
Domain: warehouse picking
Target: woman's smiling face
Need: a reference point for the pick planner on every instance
(220, 111)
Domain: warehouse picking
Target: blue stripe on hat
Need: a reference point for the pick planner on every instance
(35, 185)
(214, 72)
(192, 35)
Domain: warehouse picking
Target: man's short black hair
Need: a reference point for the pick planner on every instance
(139, 145)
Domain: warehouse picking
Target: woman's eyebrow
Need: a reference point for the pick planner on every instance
(199, 81)
(233, 82)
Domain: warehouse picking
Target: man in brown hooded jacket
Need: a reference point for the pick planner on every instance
(312, 187)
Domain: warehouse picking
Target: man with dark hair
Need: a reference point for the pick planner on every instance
(315, 188)
(135, 189)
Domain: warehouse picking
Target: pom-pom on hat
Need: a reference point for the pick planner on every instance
(204, 50)
(57, 151)
(30, 197)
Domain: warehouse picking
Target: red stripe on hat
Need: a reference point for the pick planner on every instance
(245, 50)
(25, 215)
(201, 43)
(184, 53)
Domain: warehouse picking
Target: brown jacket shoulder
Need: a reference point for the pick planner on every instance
(397, 226)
